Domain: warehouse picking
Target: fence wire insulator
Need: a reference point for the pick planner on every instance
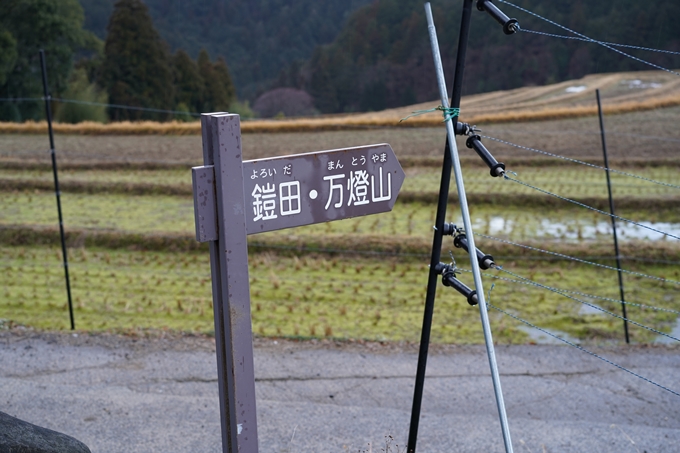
(451, 229)
(485, 261)
(463, 128)
(448, 273)
(510, 26)
(497, 168)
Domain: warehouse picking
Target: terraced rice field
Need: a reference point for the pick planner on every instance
(135, 265)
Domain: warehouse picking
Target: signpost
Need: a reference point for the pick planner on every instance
(232, 199)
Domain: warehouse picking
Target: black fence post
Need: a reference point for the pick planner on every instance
(48, 113)
(438, 235)
(611, 210)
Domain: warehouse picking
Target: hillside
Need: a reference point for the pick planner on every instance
(382, 58)
(620, 92)
(364, 55)
(257, 38)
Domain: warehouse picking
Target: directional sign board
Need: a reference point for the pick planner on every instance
(232, 199)
(303, 189)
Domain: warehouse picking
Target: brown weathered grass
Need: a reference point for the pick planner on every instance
(333, 123)
(576, 112)
(550, 102)
(92, 128)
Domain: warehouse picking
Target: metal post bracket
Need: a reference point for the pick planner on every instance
(205, 206)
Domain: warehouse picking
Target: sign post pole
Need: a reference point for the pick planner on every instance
(231, 289)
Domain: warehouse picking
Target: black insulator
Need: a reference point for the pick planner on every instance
(475, 142)
(449, 229)
(462, 128)
(485, 261)
(449, 279)
(510, 26)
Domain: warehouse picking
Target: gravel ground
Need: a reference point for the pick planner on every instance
(159, 394)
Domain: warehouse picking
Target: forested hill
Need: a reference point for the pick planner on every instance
(257, 38)
(360, 55)
(382, 58)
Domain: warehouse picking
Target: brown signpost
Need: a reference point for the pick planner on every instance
(234, 198)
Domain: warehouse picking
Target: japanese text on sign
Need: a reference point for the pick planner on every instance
(351, 186)
(265, 197)
(322, 186)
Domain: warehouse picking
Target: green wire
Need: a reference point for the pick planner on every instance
(448, 113)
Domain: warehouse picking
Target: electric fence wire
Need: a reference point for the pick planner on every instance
(68, 158)
(335, 251)
(643, 137)
(528, 282)
(524, 321)
(557, 291)
(395, 254)
(580, 162)
(73, 160)
(101, 104)
(71, 156)
(586, 38)
(598, 133)
(24, 153)
(645, 260)
(573, 258)
(613, 44)
(6, 264)
(583, 205)
(22, 99)
(352, 252)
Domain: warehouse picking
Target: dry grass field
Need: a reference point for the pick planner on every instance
(621, 93)
(631, 137)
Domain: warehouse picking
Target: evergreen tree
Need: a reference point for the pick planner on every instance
(189, 85)
(321, 84)
(205, 70)
(8, 54)
(136, 69)
(26, 26)
(223, 79)
(80, 89)
(256, 37)
(219, 90)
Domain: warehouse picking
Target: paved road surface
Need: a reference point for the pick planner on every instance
(121, 394)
